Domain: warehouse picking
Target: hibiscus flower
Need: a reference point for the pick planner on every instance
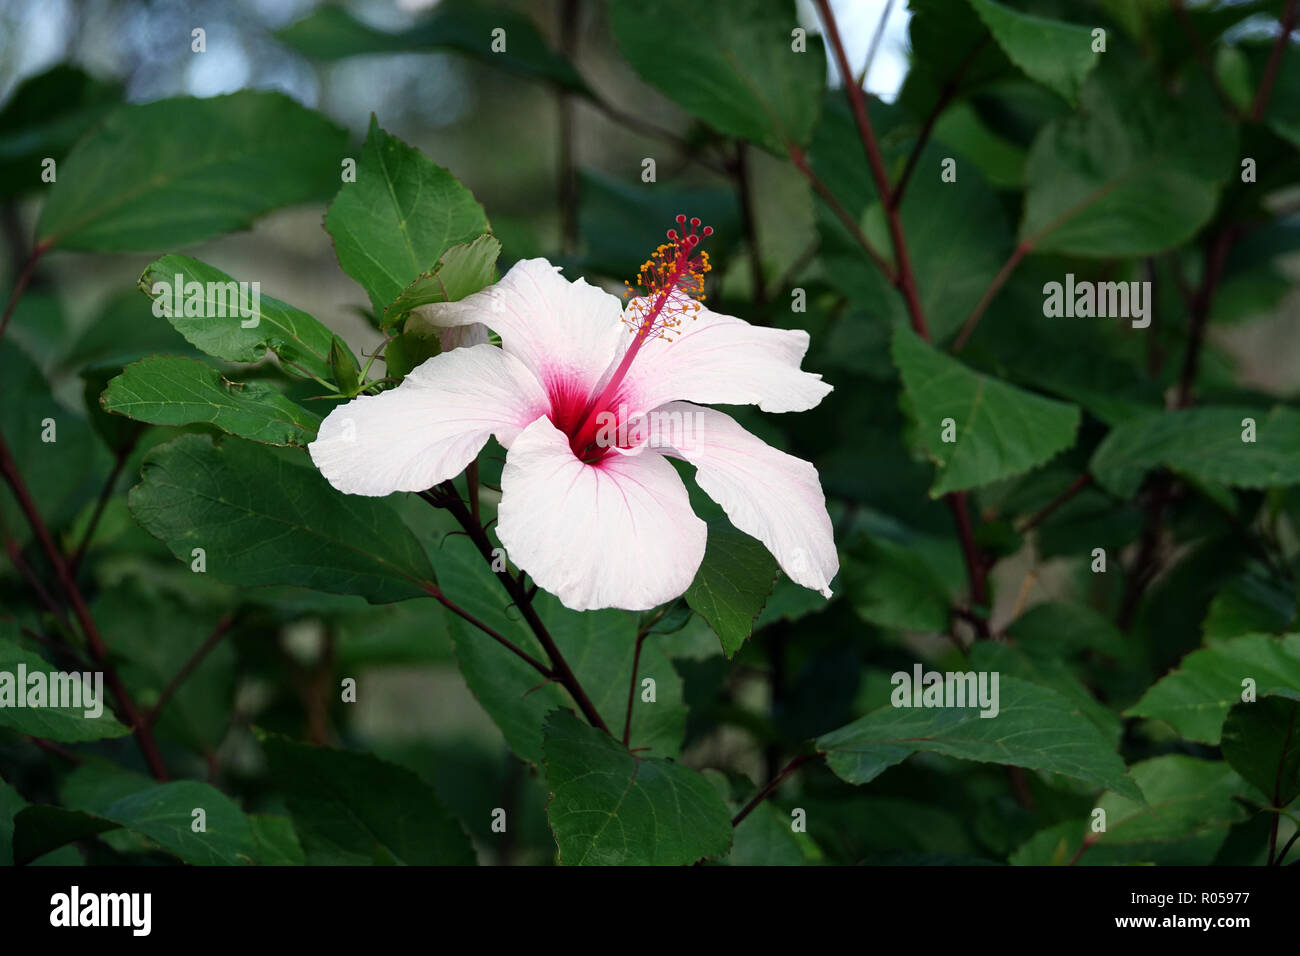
(590, 506)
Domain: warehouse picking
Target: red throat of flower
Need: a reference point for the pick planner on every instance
(675, 266)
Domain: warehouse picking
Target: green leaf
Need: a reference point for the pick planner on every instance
(40, 829)
(64, 724)
(1034, 728)
(598, 645)
(957, 234)
(60, 473)
(950, 56)
(393, 223)
(213, 324)
(732, 584)
(1261, 740)
(277, 842)
(46, 114)
(1001, 431)
(175, 171)
(1205, 443)
(179, 391)
(1253, 602)
(352, 808)
(263, 520)
(893, 585)
(1055, 630)
(1130, 174)
(1282, 113)
(1181, 795)
(610, 807)
(1058, 55)
(1050, 673)
(163, 813)
(11, 802)
(331, 33)
(156, 636)
(408, 351)
(733, 64)
(123, 331)
(1195, 698)
(464, 269)
(620, 220)
(764, 838)
(1189, 807)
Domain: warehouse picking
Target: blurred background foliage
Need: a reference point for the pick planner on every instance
(551, 139)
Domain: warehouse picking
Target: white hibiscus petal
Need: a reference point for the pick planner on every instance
(566, 332)
(431, 426)
(766, 493)
(719, 359)
(617, 534)
(463, 336)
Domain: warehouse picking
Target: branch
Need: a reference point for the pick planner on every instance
(945, 97)
(559, 669)
(1076, 486)
(631, 690)
(768, 790)
(212, 640)
(20, 284)
(1274, 62)
(801, 163)
(1215, 255)
(449, 604)
(858, 103)
(999, 280)
(976, 571)
(875, 44)
(98, 650)
(1198, 48)
(1273, 858)
(646, 128)
(107, 492)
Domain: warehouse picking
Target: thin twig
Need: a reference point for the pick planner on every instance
(20, 284)
(50, 746)
(858, 105)
(222, 628)
(559, 669)
(976, 570)
(768, 790)
(99, 651)
(1274, 62)
(105, 493)
(800, 262)
(999, 280)
(1076, 486)
(945, 97)
(800, 161)
(449, 604)
(1278, 782)
(631, 690)
(875, 44)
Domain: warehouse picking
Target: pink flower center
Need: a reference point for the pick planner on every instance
(658, 313)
